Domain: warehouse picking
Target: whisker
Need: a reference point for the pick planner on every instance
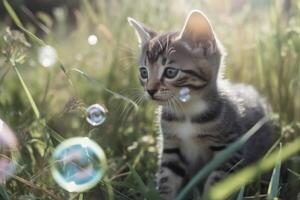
(173, 106)
(127, 109)
(128, 58)
(178, 102)
(135, 97)
(128, 48)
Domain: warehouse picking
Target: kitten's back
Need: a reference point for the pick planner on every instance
(253, 108)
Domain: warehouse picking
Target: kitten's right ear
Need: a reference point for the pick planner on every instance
(143, 33)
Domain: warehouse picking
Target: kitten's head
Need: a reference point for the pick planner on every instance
(170, 61)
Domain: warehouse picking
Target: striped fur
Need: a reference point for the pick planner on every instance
(217, 114)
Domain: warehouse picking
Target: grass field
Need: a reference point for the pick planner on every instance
(44, 106)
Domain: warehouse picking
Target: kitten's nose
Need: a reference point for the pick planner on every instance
(151, 92)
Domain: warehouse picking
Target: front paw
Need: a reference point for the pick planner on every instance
(165, 189)
(213, 178)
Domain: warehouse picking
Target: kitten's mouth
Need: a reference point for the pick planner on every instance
(159, 100)
(161, 97)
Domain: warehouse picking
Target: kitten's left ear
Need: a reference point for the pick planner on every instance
(143, 33)
(198, 33)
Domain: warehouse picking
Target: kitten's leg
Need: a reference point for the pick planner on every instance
(172, 171)
(226, 168)
(214, 177)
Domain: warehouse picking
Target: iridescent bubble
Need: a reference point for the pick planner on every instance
(96, 114)
(78, 164)
(47, 56)
(92, 39)
(184, 94)
(8, 152)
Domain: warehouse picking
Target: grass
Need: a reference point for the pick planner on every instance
(44, 105)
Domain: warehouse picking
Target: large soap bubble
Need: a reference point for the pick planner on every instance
(78, 164)
(8, 152)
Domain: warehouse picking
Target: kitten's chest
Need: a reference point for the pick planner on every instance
(188, 136)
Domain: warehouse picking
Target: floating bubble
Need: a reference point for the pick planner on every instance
(96, 114)
(184, 94)
(92, 39)
(78, 164)
(47, 56)
(8, 147)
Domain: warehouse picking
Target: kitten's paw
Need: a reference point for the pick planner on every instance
(213, 178)
(168, 183)
(165, 189)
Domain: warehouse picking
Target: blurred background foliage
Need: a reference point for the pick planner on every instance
(262, 40)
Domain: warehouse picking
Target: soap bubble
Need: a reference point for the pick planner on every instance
(47, 56)
(8, 147)
(78, 164)
(184, 94)
(92, 39)
(96, 114)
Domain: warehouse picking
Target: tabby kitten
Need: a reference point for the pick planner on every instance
(217, 114)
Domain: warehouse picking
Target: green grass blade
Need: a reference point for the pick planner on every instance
(220, 158)
(18, 22)
(33, 37)
(116, 95)
(90, 11)
(32, 103)
(3, 193)
(229, 186)
(55, 135)
(241, 194)
(274, 184)
(110, 192)
(12, 13)
(141, 185)
(294, 173)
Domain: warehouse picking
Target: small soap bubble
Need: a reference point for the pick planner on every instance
(92, 39)
(78, 164)
(96, 114)
(47, 56)
(8, 149)
(184, 94)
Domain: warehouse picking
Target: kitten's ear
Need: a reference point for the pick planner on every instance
(198, 33)
(143, 33)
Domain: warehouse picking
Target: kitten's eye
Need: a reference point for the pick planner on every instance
(143, 72)
(170, 72)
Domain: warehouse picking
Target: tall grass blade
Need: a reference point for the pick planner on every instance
(294, 173)
(116, 95)
(138, 179)
(3, 193)
(12, 13)
(274, 185)
(90, 11)
(33, 37)
(241, 194)
(110, 192)
(17, 21)
(220, 158)
(55, 135)
(32, 103)
(227, 187)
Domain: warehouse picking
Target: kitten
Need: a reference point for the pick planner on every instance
(216, 114)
